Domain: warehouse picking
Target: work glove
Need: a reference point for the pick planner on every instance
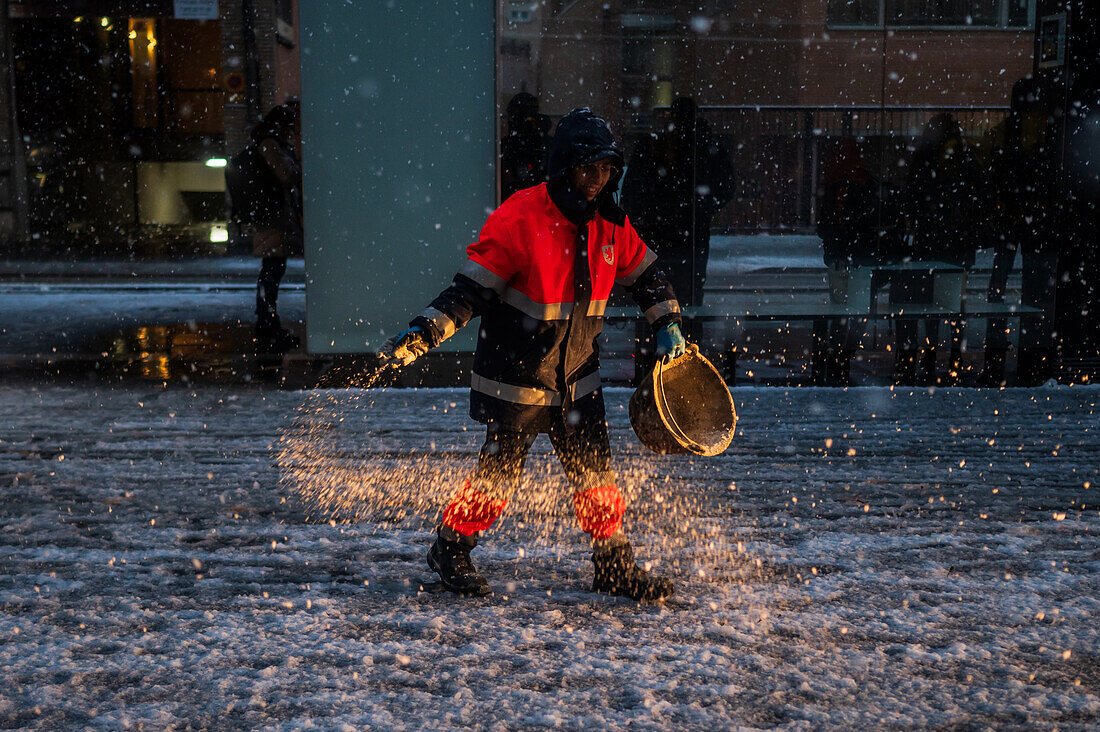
(670, 343)
(405, 347)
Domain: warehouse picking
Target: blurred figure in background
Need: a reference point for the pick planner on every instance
(848, 228)
(678, 179)
(52, 195)
(1019, 214)
(1077, 267)
(526, 146)
(939, 204)
(265, 186)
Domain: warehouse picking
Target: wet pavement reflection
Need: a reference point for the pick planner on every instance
(210, 352)
(227, 353)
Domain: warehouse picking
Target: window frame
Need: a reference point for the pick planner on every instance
(880, 24)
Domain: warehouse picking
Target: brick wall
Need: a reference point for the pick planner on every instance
(781, 52)
(263, 63)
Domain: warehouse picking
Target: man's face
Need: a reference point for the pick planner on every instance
(590, 178)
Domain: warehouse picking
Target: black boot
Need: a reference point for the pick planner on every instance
(451, 561)
(844, 368)
(1034, 365)
(819, 367)
(271, 337)
(905, 367)
(993, 371)
(618, 574)
(954, 369)
(927, 376)
(839, 369)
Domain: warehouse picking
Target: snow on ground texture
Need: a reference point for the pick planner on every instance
(857, 559)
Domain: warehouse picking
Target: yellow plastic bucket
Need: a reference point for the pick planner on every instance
(684, 406)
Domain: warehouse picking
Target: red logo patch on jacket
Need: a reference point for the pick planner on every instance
(609, 253)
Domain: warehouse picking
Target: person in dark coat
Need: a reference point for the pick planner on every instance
(540, 276)
(1077, 282)
(849, 235)
(677, 181)
(942, 191)
(280, 237)
(1019, 217)
(525, 147)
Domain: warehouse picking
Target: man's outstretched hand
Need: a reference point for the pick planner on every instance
(405, 347)
(670, 343)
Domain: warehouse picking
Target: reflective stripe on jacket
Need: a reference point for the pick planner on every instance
(519, 276)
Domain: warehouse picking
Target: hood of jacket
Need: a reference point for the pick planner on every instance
(582, 137)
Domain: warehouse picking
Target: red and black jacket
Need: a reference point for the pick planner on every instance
(537, 356)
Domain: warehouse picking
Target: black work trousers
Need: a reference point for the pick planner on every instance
(584, 452)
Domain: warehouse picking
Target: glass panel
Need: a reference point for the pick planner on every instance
(854, 12)
(774, 150)
(102, 100)
(920, 13)
(943, 12)
(1021, 13)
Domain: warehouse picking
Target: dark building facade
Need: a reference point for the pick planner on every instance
(776, 80)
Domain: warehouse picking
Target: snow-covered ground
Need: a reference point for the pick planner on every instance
(858, 559)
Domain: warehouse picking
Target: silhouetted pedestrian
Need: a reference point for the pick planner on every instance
(677, 181)
(525, 147)
(941, 193)
(1019, 211)
(1078, 261)
(849, 235)
(279, 235)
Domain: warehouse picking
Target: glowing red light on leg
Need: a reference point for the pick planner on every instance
(600, 510)
(471, 511)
